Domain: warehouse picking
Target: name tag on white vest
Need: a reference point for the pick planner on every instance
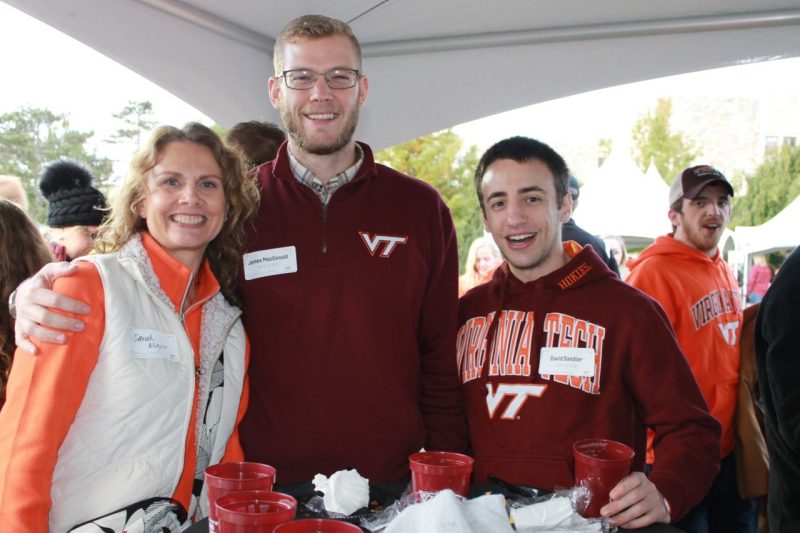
(567, 362)
(272, 262)
(152, 344)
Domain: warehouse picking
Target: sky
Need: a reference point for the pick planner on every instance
(611, 112)
(44, 68)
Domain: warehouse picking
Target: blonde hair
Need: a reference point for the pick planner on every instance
(312, 27)
(224, 253)
(23, 251)
(622, 247)
(11, 189)
(471, 276)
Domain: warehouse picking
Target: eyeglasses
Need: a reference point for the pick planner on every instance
(337, 78)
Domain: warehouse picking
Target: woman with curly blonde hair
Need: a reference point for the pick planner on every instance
(225, 251)
(23, 251)
(120, 422)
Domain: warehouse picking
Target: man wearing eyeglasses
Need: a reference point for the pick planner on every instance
(355, 343)
(349, 287)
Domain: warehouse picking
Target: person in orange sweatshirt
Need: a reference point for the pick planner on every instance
(685, 273)
(112, 430)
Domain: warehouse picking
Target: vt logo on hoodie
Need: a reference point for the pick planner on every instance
(513, 349)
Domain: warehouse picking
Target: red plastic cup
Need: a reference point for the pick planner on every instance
(225, 478)
(254, 511)
(435, 471)
(317, 525)
(599, 465)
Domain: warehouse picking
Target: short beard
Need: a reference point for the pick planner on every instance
(319, 149)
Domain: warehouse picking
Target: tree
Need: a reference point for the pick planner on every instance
(603, 150)
(137, 121)
(775, 184)
(32, 137)
(654, 141)
(438, 159)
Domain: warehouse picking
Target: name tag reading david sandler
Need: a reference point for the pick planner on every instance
(152, 344)
(567, 362)
(272, 262)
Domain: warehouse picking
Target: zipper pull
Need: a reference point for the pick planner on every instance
(197, 372)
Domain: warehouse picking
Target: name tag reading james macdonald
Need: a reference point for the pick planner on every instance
(567, 362)
(152, 344)
(272, 262)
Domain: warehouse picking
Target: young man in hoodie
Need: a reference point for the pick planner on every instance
(555, 348)
(685, 272)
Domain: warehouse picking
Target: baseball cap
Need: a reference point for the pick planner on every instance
(695, 179)
(574, 187)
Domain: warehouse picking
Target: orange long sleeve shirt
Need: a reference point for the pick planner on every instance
(45, 392)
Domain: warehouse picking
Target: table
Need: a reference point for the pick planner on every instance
(386, 493)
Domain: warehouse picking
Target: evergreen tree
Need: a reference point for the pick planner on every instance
(31, 137)
(773, 186)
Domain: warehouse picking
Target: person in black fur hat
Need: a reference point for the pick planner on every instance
(75, 208)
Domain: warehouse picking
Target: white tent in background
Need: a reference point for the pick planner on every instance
(779, 232)
(621, 200)
(653, 174)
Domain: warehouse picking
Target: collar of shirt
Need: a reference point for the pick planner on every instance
(324, 191)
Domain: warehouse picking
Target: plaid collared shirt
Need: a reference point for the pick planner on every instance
(324, 191)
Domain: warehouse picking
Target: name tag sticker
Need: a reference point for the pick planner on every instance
(567, 362)
(270, 262)
(152, 344)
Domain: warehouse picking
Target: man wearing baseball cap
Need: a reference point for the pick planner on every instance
(685, 272)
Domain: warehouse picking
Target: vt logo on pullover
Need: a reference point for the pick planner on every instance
(373, 242)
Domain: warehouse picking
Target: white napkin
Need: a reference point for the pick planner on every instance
(553, 516)
(445, 512)
(345, 492)
(546, 513)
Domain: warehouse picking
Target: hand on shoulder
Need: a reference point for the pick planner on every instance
(40, 310)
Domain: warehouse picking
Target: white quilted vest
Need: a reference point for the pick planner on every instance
(127, 441)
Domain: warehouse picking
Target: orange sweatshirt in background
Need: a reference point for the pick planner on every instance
(704, 304)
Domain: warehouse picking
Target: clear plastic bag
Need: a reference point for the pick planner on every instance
(556, 513)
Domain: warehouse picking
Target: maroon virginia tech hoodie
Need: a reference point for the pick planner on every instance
(522, 424)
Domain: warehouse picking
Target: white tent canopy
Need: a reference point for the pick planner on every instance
(432, 63)
(653, 174)
(780, 232)
(622, 200)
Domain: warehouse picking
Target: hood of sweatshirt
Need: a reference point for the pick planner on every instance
(667, 245)
(585, 267)
(683, 266)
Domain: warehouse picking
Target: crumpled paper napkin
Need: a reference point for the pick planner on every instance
(446, 512)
